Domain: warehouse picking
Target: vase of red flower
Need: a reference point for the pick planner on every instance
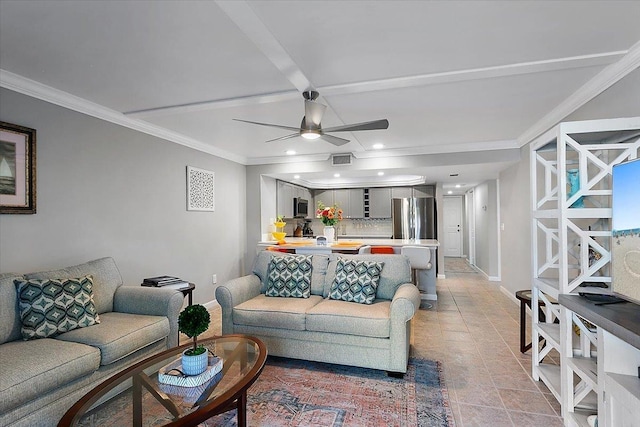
(329, 215)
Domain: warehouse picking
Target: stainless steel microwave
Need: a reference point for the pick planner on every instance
(300, 207)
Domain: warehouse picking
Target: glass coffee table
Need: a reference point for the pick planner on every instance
(151, 402)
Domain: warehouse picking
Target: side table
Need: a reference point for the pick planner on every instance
(524, 297)
(188, 292)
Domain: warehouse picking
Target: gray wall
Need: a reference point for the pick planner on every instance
(486, 213)
(515, 214)
(105, 190)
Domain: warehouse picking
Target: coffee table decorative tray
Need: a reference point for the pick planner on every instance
(169, 374)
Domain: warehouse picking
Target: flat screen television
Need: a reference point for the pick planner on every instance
(625, 245)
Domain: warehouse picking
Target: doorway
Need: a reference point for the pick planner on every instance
(452, 215)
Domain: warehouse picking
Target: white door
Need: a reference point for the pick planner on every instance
(452, 213)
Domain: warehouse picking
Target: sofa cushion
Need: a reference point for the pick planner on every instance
(106, 279)
(396, 272)
(120, 334)
(50, 307)
(9, 313)
(33, 368)
(282, 313)
(289, 276)
(355, 280)
(319, 264)
(340, 317)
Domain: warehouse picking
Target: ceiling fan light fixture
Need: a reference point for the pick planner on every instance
(309, 134)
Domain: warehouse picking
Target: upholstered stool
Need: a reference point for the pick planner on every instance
(382, 250)
(419, 258)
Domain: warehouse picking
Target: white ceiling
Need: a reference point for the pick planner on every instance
(450, 76)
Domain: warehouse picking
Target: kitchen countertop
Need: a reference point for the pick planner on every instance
(354, 244)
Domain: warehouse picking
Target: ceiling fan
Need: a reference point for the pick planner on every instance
(310, 127)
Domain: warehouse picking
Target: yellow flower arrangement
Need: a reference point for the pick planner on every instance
(329, 215)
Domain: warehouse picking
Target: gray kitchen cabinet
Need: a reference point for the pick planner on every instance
(284, 199)
(324, 196)
(355, 207)
(401, 192)
(424, 191)
(379, 202)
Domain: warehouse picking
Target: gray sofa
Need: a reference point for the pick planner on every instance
(322, 329)
(42, 378)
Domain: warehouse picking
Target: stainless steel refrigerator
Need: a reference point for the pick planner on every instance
(414, 218)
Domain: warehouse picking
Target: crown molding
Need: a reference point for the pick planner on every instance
(594, 87)
(34, 89)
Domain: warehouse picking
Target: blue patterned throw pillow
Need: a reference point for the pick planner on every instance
(51, 307)
(289, 276)
(356, 281)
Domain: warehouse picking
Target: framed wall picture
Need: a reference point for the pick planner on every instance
(17, 169)
(200, 190)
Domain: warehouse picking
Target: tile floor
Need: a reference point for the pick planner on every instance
(473, 329)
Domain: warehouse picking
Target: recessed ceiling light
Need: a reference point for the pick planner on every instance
(336, 175)
(378, 146)
(449, 192)
(457, 185)
(291, 152)
(296, 176)
(380, 173)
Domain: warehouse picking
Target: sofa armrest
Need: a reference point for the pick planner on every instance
(233, 293)
(152, 302)
(405, 304)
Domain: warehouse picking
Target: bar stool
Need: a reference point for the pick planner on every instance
(419, 258)
(382, 250)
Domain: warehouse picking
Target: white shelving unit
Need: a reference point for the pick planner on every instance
(571, 236)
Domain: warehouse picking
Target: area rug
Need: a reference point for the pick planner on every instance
(458, 265)
(300, 393)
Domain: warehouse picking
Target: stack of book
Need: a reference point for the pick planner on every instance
(166, 282)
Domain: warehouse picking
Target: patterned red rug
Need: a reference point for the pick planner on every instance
(300, 393)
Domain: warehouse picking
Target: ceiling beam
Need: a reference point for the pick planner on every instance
(397, 82)
(594, 87)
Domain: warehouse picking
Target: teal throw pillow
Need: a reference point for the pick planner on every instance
(356, 281)
(289, 276)
(51, 307)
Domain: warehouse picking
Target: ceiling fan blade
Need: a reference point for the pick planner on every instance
(376, 124)
(293, 135)
(334, 139)
(269, 124)
(313, 112)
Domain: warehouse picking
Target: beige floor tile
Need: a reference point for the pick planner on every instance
(483, 416)
(526, 401)
(524, 419)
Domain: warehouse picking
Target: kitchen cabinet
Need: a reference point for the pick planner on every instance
(401, 192)
(285, 193)
(351, 200)
(380, 202)
(284, 199)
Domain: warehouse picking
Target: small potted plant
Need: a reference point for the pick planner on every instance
(193, 321)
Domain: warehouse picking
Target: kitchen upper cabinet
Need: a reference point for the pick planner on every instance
(379, 203)
(401, 192)
(284, 199)
(324, 196)
(424, 191)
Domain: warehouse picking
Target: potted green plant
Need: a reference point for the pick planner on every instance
(193, 321)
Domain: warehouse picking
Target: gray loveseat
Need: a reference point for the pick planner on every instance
(322, 329)
(42, 378)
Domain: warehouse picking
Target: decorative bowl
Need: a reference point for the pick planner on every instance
(280, 224)
(279, 235)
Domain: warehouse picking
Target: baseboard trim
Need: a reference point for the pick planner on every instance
(211, 304)
(430, 297)
(508, 293)
(441, 276)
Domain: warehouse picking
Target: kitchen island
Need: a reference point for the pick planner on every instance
(307, 245)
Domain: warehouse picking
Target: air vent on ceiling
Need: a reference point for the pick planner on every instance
(341, 159)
